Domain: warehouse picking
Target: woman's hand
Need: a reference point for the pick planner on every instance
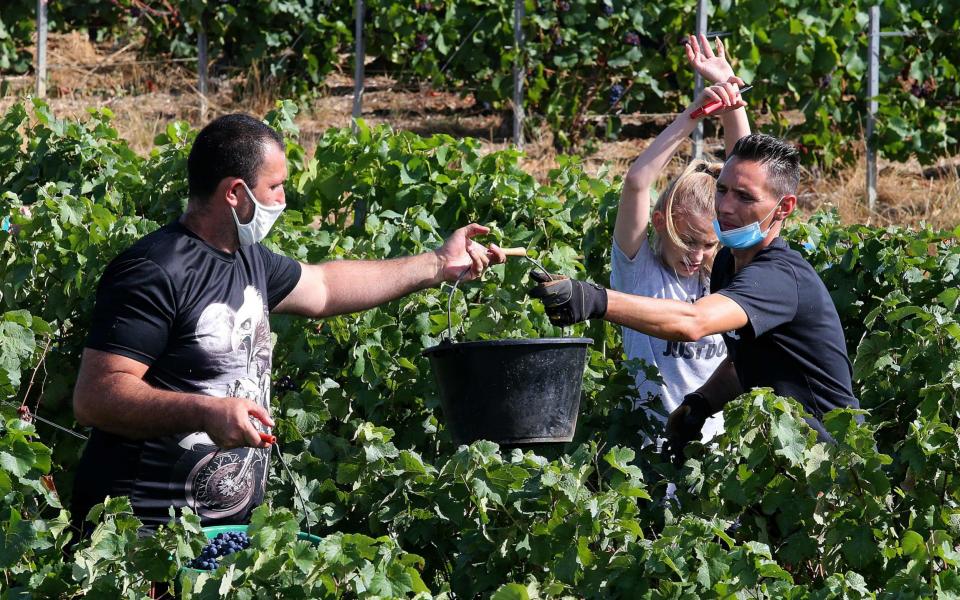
(727, 93)
(713, 67)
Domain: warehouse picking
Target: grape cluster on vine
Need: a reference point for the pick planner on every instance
(923, 89)
(285, 384)
(616, 93)
(222, 545)
(422, 42)
(557, 36)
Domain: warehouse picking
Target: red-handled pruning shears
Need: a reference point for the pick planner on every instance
(264, 437)
(713, 106)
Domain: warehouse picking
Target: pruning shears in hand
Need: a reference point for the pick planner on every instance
(266, 438)
(711, 107)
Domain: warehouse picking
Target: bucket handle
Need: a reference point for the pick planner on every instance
(453, 290)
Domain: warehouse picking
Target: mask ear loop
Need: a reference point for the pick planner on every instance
(772, 211)
(249, 192)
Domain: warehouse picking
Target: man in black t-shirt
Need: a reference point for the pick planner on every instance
(776, 316)
(175, 377)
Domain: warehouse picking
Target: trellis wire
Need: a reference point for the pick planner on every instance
(48, 422)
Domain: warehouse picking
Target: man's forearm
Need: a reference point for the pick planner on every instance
(675, 320)
(722, 386)
(356, 285)
(125, 405)
(658, 317)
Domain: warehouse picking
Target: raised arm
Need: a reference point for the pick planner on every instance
(715, 68)
(633, 214)
(346, 286)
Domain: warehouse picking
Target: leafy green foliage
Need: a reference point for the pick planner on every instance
(587, 62)
(398, 508)
(291, 42)
(586, 59)
(16, 27)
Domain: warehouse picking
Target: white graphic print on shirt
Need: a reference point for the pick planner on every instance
(221, 483)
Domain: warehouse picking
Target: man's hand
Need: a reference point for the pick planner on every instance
(686, 422)
(568, 301)
(713, 67)
(228, 422)
(459, 252)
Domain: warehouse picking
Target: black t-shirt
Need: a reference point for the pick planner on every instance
(793, 342)
(198, 318)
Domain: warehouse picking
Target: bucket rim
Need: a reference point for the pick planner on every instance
(553, 341)
(211, 531)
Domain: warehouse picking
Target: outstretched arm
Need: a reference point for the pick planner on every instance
(346, 286)
(715, 68)
(568, 301)
(673, 319)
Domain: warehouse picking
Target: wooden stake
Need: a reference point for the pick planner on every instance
(41, 48)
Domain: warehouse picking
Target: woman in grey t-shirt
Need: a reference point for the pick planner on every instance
(674, 261)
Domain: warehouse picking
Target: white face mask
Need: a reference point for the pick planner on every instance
(259, 226)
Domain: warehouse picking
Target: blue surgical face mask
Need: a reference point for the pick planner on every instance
(747, 236)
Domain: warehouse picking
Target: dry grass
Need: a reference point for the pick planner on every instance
(907, 194)
(145, 97)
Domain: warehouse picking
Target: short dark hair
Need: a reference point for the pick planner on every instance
(780, 159)
(229, 146)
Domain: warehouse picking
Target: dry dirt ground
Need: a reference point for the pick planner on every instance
(146, 95)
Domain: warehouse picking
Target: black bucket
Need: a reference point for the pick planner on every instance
(513, 392)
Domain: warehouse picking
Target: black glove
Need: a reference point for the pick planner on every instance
(684, 425)
(569, 301)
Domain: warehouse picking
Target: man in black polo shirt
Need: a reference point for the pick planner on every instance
(779, 323)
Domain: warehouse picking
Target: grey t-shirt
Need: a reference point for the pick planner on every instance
(684, 366)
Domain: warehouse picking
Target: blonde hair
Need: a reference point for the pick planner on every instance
(690, 193)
